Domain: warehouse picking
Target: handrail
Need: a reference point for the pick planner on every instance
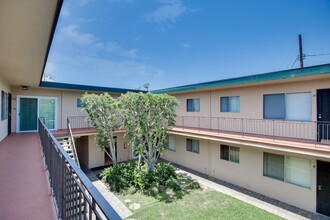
(73, 145)
(75, 195)
(306, 131)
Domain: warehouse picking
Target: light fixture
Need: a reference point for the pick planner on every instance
(25, 87)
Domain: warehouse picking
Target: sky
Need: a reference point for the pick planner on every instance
(168, 43)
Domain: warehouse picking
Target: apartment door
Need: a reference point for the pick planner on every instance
(323, 188)
(9, 113)
(323, 115)
(28, 114)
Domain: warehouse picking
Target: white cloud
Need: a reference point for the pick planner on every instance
(138, 38)
(65, 11)
(50, 68)
(185, 45)
(89, 43)
(169, 11)
(84, 2)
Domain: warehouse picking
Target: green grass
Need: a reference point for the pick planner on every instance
(196, 204)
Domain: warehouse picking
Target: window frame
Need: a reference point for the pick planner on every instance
(173, 141)
(285, 105)
(193, 100)
(190, 147)
(286, 169)
(4, 105)
(228, 107)
(230, 151)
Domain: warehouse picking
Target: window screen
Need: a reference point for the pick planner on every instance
(274, 106)
(230, 104)
(274, 166)
(298, 106)
(193, 105)
(298, 171)
(193, 145)
(4, 105)
(171, 143)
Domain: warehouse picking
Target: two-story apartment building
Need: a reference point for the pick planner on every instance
(268, 133)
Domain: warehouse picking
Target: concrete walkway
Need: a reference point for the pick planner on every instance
(271, 205)
(109, 196)
(24, 187)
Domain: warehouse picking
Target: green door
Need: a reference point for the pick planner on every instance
(28, 114)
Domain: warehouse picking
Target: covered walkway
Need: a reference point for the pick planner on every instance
(24, 188)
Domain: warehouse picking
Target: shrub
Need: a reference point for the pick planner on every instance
(129, 178)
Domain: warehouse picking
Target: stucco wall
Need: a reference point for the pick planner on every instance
(251, 98)
(248, 173)
(34, 92)
(4, 86)
(96, 155)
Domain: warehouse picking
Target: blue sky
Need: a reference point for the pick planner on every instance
(127, 43)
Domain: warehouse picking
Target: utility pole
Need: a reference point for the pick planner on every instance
(300, 52)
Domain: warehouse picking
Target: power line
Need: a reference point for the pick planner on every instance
(314, 55)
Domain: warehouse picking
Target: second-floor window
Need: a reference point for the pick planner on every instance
(289, 106)
(193, 105)
(171, 142)
(230, 104)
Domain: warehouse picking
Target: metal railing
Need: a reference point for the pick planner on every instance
(73, 144)
(79, 122)
(74, 194)
(310, 131)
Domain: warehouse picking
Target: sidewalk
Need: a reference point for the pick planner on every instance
(276, 207)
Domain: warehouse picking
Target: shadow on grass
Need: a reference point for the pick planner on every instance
(183, 186)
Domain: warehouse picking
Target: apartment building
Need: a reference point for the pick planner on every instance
(268, 133)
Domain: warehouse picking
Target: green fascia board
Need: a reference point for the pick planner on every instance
(57, 85)
(285, 74)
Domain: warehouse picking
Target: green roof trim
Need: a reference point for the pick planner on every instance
(57, 85)
(285, 74)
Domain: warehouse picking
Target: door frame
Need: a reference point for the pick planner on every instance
(38, 98)
(9, 113)
(317, 184)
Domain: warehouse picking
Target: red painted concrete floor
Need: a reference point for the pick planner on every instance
(24, 188)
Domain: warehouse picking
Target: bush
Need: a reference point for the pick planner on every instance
(128, 177)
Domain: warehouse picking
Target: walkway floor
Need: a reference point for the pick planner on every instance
(108, 195)
(281, 209)
(24, 191)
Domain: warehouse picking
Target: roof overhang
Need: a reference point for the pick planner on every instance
(301, 74)
(26, 32)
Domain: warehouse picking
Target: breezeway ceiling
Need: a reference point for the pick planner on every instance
(26, 30)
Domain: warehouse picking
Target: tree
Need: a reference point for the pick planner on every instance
(104, 114)
(147, 118)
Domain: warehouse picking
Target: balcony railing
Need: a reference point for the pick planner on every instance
(74, 194)
(306, 131)
(79, 122)
(309, 131)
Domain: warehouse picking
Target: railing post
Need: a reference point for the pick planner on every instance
(199, 128)
(242, 127)
(183, 122)
(273, 130)
(218, 125)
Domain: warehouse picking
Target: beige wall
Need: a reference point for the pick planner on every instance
(251, 98)
(4, 86)
(248, 173)
(66, 103)
(35, 92)
(95, 156)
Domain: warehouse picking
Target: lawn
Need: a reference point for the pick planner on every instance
(196, 204)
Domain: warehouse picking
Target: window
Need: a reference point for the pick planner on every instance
(4, 105)
(80, 104)
(193, 146)
(229, 153)
(230, 104)
(171, 143)
(288, 169)
(292, 106)
(193, 105)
